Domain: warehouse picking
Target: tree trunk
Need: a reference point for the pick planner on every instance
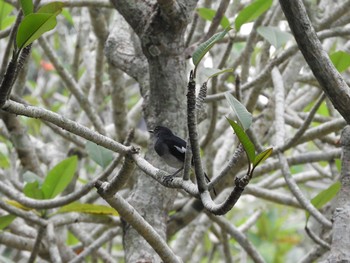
(161, 31)
(340, 251)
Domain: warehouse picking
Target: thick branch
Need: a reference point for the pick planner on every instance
(140, 10)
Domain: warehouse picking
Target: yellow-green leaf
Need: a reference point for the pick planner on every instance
(88, 208)
(17, 205)
(262, 156)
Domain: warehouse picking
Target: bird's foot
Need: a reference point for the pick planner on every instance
(168, 179)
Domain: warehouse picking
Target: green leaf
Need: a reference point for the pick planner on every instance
(219, 71)
(209, 14)
(5, 9)
(51, 8)
(4, 160)
(18, 205)
(324, 196)
(244, 116)
(251, 12)
(99, 154)
(33, 190)
(59, 177)
(274, 35)
(6, 22)
(5, 18)
(67, 15)
(341, 60)
(34, 26)
(207, 45)
(88, 208)
(6, 220)
(27, 7)
(262, 156)
(244, 139)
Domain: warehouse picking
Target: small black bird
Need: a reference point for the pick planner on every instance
(171, 148)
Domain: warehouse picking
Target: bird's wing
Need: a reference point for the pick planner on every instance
(177, 147)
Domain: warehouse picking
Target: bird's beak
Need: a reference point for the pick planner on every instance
(151, 131)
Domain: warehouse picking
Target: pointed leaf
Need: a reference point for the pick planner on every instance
(341, 60)
(244, 139)
(27, 7)
(33, 190)
(274, 35)
(244, 116)
(89, 209)
(251, 12)
(262, 156)
(34, 26)
(324, 196)
(99, 154)
(18, 205)
(6, 220)
(59, 177)
(209, 14)
(207, 45)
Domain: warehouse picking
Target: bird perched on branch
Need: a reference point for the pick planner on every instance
(171, 148)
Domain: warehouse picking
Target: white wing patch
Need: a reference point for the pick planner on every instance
(181, 150)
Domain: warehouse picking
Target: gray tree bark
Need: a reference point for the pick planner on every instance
(160, 27)
(340, 251)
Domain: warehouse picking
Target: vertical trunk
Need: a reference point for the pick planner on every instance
(341, 229)
(164, 105)
(161, 32)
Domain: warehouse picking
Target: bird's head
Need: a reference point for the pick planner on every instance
(160, 130)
